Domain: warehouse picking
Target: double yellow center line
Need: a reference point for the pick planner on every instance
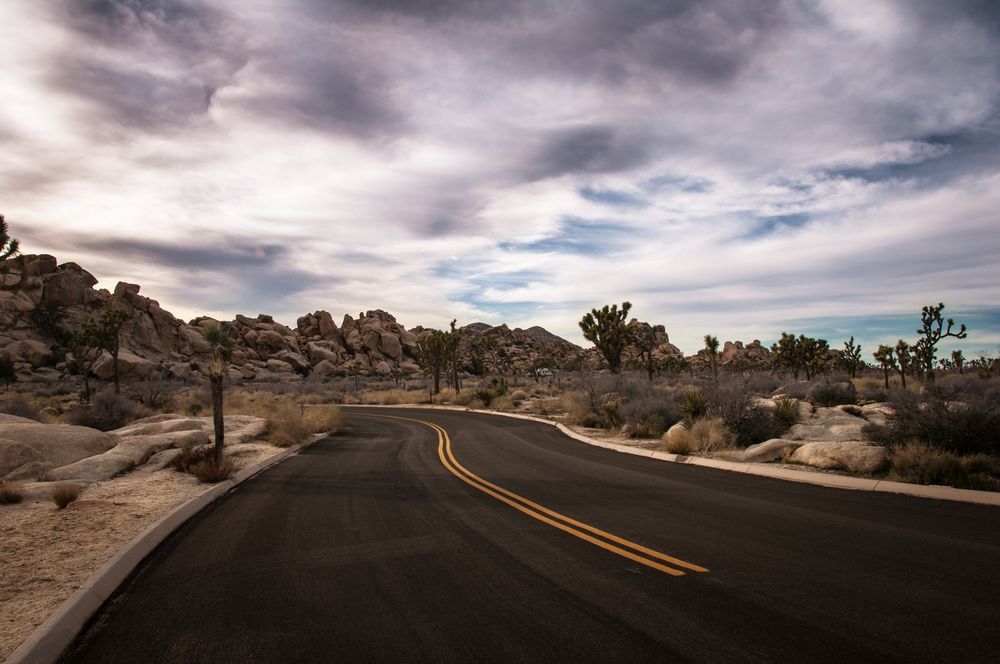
(607, 541)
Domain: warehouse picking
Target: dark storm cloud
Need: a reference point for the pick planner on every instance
(330, 89)
(151, 65)
(587, 149)
(136, 99)
(225, 253)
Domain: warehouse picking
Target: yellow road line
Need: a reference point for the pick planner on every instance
(546, 515)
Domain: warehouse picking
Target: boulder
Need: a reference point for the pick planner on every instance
(41, 265)
(160, 424)
(828, 424)
(36, 353)
(130, 365)
(13, 455)
(279, 367)
(770, 450)
(855, 456)
(59, 444)
(409, 368)
(317, 353)
(295, 360)
(390, 346)
(327, 328)
(382, 368)
(29, 471)
(797, 389)
(93, 469)
(71, 285)
(877, 413)
(324, 369)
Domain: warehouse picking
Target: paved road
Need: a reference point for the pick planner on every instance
(371, 547)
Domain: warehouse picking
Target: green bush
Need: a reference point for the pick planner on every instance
(786, 411)
(694, 405)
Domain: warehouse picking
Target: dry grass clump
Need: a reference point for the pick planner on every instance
(289, 422)
(392, 397)
(923, 464)
(209, 472)
(9, 495)
(64, 493)
(517, 396)
(503, 403)
(705, 435)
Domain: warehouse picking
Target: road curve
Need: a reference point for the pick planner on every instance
(440, 536)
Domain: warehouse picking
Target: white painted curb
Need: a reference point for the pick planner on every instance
(53, 636)
(936, 492)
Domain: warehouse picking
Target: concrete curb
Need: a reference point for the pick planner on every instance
(53, 636)
(935, 492)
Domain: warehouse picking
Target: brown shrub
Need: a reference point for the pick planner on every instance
(705, 435)
(10, 495)
(209, 472)
(923, 464)
(64, 493)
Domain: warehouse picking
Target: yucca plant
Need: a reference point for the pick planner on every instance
(222, 345)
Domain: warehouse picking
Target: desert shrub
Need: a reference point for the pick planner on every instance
(708, 434)
(786, 411)
(694, 405)
(64, 493)
(762, 384)
(394, 396)
(870, 389)
(289, 424)
(106, 411)
(154, 394)
(503, 403)
(209, 472)
(647, 414)
(922, 464)
(517, 396)
(19, 406)
(755, 424)
(963, 419)
(10, 495)
(833, 393)
(192, 456)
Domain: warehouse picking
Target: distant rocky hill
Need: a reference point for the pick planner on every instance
(60, 297)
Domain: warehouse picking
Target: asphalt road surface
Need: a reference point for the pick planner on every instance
(489, 539)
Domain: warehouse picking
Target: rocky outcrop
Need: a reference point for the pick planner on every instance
(58, 298)
(500, 349)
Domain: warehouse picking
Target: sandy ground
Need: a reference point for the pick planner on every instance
(47, 553)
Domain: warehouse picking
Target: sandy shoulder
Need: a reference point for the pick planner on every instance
(47, 553)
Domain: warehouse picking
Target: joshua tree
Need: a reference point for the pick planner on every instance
(643, 337)
(933, 330)
(712, 349)
(452, 341)
(432, 354)
(222, 346)
(10, 258)
(86, 348)
(958, 359)
(801, 354)
(107, 333)
(904, 359)
(606, 329)
(886, 357)
(851, 357)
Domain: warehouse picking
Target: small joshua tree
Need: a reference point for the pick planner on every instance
(958, 359)
(904, 360)
(851, 357)
(886, 357)
(606, 329)
(222, 345)
(712, 349)
(643, 337)
(11, 259)
(933, 330)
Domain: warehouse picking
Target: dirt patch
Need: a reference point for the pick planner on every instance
(47, 553)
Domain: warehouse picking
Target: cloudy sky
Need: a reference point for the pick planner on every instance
(730, 167)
